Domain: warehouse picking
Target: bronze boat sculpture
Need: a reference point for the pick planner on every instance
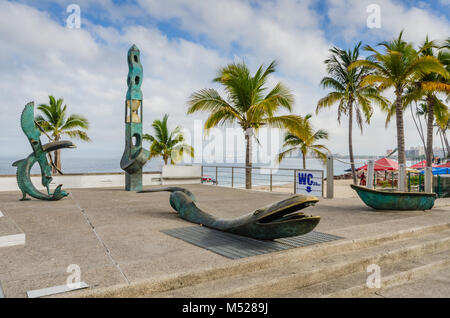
(278, 220)
(395, 200)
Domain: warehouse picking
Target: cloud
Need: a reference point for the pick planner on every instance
(349, 19)
(182, 44)
(88, 68)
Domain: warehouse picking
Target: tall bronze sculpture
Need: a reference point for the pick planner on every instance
(39, 155)
(278, 220)
(134, 156)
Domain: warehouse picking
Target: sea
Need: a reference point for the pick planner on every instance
(223, 174)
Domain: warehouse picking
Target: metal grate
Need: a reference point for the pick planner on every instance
(235, 246)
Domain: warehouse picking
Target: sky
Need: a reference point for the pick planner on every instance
(183, 43)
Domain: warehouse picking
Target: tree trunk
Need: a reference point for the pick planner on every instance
(57, 157)
(429, 153)
(304, 160)
(248, 160)
(350, 140)
(400, 130)
(447, 145)
(165, 158)
(444, 152)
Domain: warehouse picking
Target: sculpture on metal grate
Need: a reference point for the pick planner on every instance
(278, 220)
(39, 155)
(134, 156)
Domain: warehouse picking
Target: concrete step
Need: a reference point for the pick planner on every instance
(392, 275)
(281, 279)
(290, 259)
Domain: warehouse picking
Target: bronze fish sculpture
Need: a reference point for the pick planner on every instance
(277, 220)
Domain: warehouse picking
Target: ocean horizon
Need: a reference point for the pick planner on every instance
(108, 164)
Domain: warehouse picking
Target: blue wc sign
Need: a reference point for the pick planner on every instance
(310, 182)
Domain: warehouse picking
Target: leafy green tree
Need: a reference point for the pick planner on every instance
(170, 145)
(352, 98)
(398, 67)
(54, 120)
(247, 104)
(426, 89)
(305, 144)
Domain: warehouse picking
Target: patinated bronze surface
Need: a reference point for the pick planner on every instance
(38, 155)
(395, 200)
(278, 220)
(134, 156)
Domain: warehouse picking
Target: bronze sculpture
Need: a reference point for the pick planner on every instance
(39, 155)
(134, 156)
(277, 220)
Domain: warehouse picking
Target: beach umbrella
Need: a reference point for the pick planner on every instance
(445, 165)
(438, 171)
(421, 165)
(383, 164)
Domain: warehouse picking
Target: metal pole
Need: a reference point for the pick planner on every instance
(323, 196)
(295, 181)
(270, 180)
(439, 186)
(370, 174)
(409, 181)
(202, 175)
(217, 176)
(232, 177)
(330, 177)
(392, 175)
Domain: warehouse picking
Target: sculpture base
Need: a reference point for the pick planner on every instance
(133, 182)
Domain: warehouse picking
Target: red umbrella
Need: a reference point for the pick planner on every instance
(421, 165)
(445, 165)
(382, 165)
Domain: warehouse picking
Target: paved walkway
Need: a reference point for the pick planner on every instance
(115, 236)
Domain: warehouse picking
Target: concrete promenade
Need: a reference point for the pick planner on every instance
(115, 237)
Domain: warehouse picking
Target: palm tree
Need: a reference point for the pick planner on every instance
(167, 144)
(425, 89)
(398, 67)
(294, 142)
(54, 120)
(443, 132)
(348, 92)
(247, 103)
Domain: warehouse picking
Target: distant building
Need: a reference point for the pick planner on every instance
(419, 152)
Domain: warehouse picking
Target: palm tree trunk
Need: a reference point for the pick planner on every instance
(429, 154)
(400, 131)
(350, 140)
(447, 145)
(304, 160)
(419, 130)
(57, 157)
(444, 152)
(248, 160)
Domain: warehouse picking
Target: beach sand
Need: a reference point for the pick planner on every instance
(341, 188)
